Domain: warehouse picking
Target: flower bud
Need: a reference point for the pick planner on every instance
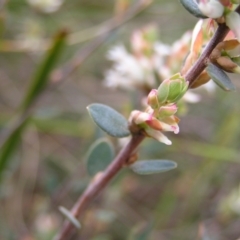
(152, 99)
(175, 90)
(227, 64)
(171, 90)
(233, 22)
(163, 91)
(211, 8)
(166, 111)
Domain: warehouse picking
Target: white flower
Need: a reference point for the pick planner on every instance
(191, 97)
(210, 86)
(233, 22)
(47, 6)
(117, 53)
(162, 49)
(158, 136)
(211, 8)
(128, 71)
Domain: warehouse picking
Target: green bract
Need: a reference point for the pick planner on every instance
(163, 91)
(171, 90)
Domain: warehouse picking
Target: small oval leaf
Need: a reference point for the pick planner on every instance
(99, 156)
(220, 77)
(70, 217)
(152, 166)
(109, 120)
(192, 7)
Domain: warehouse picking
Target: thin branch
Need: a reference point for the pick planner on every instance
(200, 65)
(65, 71)
(98, 184)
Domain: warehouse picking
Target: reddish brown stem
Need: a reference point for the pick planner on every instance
(98, 183)
(200, 65)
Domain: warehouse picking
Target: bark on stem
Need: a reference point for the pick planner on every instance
(97, 185)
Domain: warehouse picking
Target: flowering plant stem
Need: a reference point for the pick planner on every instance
(200, 65)
(100, 181)
(98, 184)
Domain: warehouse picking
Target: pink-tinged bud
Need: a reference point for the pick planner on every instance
(152, 99)
(197, 37)
(170, 127)
(211, 8)
(158, 136)
(173, 122)
(142, 117)
(155, 124)
(233, 22)
(166, 111)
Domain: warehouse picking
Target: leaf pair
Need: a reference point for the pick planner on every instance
(101, 154)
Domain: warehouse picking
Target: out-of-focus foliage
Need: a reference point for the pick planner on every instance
(199, 198)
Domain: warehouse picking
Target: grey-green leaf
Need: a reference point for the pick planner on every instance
(192, 7)
(70, 217)
(109, 120)
(153, 166)
(220, 77)
(99, 156)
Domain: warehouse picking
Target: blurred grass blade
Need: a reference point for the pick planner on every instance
(10, 144)
(42, 74)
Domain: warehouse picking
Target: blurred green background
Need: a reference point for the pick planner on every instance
(46, 168)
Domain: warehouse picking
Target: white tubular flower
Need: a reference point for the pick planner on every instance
(153, 124)
(233, 22)
(211, 8)
(159, 136)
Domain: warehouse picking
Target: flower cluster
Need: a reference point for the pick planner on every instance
(159, 115)
(152, 61)
(226, 55)
(148, 62)
(222, 11)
